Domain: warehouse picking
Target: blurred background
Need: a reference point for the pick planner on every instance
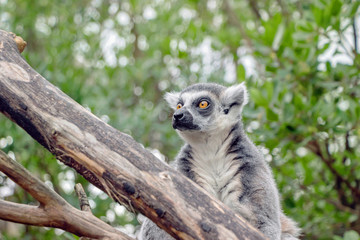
(299, 58)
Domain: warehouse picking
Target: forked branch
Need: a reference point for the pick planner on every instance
(53, 210)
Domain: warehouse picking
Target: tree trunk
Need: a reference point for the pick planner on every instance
(109, 159)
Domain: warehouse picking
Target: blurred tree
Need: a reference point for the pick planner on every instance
(300, 60)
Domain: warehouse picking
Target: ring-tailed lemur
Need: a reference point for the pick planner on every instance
(220, 157)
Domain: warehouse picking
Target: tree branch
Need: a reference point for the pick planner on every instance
(284, 10)
(109, 159)
(254, 7)
(355, 36)
(315, 148)
(342, 207)
(22, 213)
(84, 202)
(39, 190)
(53, 211)
(233, 20)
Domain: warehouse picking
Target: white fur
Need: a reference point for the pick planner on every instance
(236, 92)
(189, 97)
(215, 168)
(172, 98)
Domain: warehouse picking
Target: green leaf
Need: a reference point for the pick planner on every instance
(354, 8)
(271, 115)
(240, 71)
(351, 235)
(288, 112)
(298, 101)
(269, 86)
(278, 36)
(257, 97)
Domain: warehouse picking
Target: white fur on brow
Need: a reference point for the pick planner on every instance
(189, 97)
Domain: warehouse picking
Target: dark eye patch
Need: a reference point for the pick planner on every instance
(203, 111)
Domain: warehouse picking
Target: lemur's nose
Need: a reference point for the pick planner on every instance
(178, 116)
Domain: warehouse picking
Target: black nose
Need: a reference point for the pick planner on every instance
(178, 116)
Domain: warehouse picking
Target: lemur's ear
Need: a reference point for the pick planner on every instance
(172, 98)
(234, 96)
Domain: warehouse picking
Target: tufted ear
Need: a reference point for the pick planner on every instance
(172, 98)
(234, 96)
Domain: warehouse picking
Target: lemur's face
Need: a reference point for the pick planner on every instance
(195, 111)
(206, 107)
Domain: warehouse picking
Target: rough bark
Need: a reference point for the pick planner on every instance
(109, 159)
(53, 210)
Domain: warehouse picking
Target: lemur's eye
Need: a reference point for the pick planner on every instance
(203, 104)
(179, 106)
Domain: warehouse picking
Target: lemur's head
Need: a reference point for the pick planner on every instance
(207, 107)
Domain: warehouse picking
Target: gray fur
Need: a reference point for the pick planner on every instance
(220, 157)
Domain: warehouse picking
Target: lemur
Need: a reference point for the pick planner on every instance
(220, 157)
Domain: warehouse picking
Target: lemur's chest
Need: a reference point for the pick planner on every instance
(215, 170)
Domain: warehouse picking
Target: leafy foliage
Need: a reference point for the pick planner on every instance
(300, 61)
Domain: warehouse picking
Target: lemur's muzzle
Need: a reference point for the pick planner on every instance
(183, 120)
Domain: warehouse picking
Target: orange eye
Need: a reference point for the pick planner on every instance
(203, 104)
(179, 106)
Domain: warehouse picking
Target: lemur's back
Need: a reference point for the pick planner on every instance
(221, 159)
